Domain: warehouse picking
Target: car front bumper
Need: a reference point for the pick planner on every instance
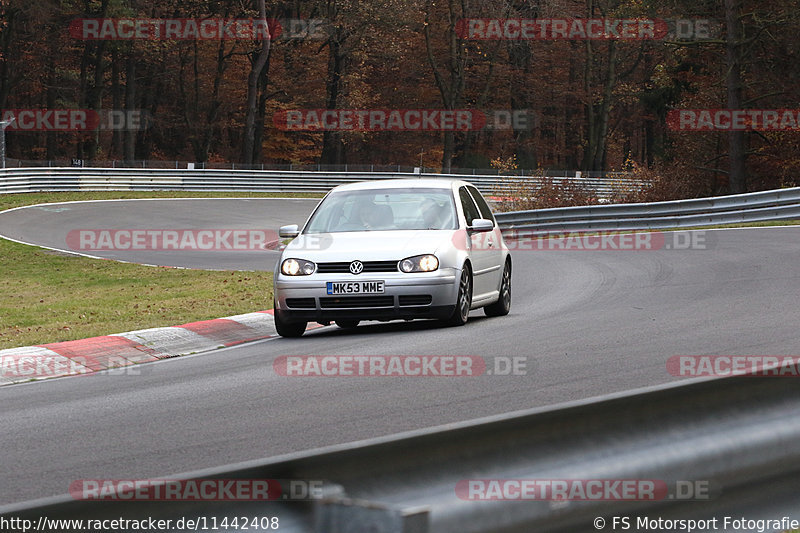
(405, 296)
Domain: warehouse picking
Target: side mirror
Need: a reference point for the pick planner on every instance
(481, 225)
(289, 232)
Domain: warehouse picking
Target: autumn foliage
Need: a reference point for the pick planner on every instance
(599, 104)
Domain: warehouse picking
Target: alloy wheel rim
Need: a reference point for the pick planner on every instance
(506, 287)
(465, 294)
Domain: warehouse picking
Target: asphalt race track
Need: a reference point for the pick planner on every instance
(588, 322)
(49, 225)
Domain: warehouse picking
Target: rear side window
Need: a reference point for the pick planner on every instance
(486, 211)
(470, 211)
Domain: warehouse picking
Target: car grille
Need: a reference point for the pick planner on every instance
(344, 267)
(356, 301)
(415, 299)
(349, 302)
(301, 303)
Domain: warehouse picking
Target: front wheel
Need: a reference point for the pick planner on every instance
(289, 329)
(503, 304)
(464, 299)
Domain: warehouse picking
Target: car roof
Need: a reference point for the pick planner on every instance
(423, 183)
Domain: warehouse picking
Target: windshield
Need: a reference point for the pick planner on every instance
(384, 210)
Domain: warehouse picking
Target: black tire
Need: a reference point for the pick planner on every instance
(347, 324)
(463, 301)
(503, 304)
(289, 329)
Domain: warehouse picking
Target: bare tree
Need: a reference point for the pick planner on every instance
(451, 83)
(737, 177)
(257, 70)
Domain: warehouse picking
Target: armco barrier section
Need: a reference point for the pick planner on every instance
(721, 447)
(782, 204)
(97, 179)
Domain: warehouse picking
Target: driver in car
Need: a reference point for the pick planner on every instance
(369, 215)
(432, 214)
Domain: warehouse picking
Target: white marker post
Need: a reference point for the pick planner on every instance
(3, 125)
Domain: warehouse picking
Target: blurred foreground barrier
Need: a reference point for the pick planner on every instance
(699, 451)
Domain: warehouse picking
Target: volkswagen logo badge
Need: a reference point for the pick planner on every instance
(356, 267)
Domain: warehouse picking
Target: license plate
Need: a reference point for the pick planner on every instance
(355, 287)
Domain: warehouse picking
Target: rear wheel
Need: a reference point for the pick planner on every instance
(289, 329)
(503, 304)
(347, 324)
(464, 299)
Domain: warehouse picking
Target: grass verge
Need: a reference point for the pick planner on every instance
(51, 297)
(9, 201)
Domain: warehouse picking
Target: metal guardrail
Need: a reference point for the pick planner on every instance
(97, 179)
(737, 437)
(302, 167)
(781, 204)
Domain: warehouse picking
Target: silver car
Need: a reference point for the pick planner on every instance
(393, 249)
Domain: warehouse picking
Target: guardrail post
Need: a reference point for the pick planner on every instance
(357, 516)
(3, 126)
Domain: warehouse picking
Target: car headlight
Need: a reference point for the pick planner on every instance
(419, 263)
(297, 267)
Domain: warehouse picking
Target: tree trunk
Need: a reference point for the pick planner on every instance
(604, 113)
(7, 65)
(116, 99)
(51, 141)
(129, 137)
(737, 178)
(214, 104)
(248, 142)
(451, 89)
(571, 115)
(332, 145)
(95, 91)
(83, 82)
(258, 135)
(598, 113)
(520, 55)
